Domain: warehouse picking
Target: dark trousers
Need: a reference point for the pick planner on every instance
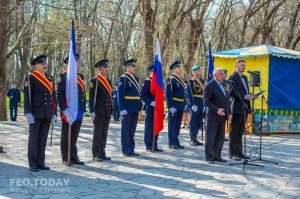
(237, 128)
(13, 107)
(196, 122)
(116, 112)
(128, 128)
(214, 139)
(148, 132)
(75, 129)
(174, 123)
(100, 136)
(38, 134)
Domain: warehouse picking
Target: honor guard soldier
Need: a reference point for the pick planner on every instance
(100, 103)
(76, 125)
(195, 92)
(175, 94)
(149, 100)
(39, 109)
(14, 99)
(129, 104)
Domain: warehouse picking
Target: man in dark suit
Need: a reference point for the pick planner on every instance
(216, 98)
(76, 125)
(40, 110)
(100, 103)
(239, 112)
(14, 99)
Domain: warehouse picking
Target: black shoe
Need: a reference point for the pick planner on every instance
(66, 163)
(220, 160)
(193, 143)
(244, 157)
(134, 154)
(198, 143)
(235, 157)
(158, 150)
(180, 146)
(99, 159)
(210, 161)
(174, 147)
(106, 158)
(78, 162)
(127, 155)
(43, 168)
(225, 140)
(34, 169)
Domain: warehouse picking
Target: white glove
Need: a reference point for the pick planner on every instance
(53, 118)
(195, 108)
(123, 112)
(29, 118)
(152, 103)
(93, 115)
(67, 113)
(173, 110)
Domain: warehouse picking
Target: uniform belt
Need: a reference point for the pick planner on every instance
(177, 99)
(200, 96)
(132, 97)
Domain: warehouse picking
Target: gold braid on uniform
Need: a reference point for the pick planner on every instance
(195, 87)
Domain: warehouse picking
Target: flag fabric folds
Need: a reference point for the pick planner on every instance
(156, 89)
(210, 64)
(71, 82)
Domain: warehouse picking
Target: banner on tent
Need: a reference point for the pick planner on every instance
(277, 121)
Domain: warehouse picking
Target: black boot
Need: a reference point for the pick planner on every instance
(192, 142)
(195, 140)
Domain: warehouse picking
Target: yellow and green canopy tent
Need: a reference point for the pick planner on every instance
(279, 71)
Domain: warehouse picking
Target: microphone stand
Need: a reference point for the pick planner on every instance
(245, 108)
(261, 129)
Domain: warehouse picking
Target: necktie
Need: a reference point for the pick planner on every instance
(244, 83)
(222, 88)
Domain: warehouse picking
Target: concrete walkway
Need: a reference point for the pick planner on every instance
(171, 174)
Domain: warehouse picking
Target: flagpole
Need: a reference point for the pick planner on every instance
(153, 139)
(69, 145)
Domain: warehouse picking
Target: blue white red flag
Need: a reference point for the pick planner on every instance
(157, 90)
(71, 82)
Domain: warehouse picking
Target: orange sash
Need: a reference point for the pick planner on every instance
(80, 82)
(105, 83)
(42, 79)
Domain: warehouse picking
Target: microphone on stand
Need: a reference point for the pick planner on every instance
(253, 72)
(228, 81)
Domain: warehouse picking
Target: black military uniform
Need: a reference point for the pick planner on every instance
(14, 99)
(101, 110)
(76, 125)
(39, 108)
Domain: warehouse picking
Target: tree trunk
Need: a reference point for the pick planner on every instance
(3, 51)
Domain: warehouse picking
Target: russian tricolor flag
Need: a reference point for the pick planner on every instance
(157, 90)
(71, 82)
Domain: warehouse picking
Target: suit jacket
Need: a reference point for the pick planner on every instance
(14, 95)
(237, 104)
(61, 93)
(38, 100)
(103, 106)
(214, 99)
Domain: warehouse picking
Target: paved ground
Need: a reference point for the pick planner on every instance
(171, 174)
